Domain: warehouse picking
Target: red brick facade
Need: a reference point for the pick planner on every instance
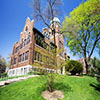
(24, 51)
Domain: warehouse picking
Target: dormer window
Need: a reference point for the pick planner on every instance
(48, 37)
(45, 33)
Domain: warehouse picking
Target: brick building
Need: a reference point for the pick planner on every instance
(25, 51)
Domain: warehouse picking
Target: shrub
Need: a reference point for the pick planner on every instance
(36, 73)
(74, 67)
(92, 72)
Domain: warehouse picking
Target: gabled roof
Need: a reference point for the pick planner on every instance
(36, 30)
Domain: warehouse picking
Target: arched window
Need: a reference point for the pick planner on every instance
(26, 29)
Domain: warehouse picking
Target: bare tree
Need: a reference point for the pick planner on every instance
(46, 13)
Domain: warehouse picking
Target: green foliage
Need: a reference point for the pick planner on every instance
(74, 67)
(96, 65)
(2, 66)
(92, 72)
(48, 60)
(82, 29)
(3, 75)
(2, 61)
(82, 26)
(37, 72)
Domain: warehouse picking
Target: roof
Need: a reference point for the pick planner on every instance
(36, 30)
(55, 19)
(53, 44)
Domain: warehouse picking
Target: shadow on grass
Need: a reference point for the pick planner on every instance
(57, 86)
(96, 86)
(63, 87)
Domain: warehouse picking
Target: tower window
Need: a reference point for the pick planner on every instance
(45, 33)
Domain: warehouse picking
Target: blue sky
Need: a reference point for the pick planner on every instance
(13, 14)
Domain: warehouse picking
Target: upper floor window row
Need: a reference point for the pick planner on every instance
(43, 58)
(23, 44)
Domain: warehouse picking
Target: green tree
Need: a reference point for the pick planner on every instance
(48, 59)
(96, 64)
(2, 65)
(82, 29)
(96, 67)
(74, 67)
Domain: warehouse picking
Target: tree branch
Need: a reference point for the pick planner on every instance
(97, 39)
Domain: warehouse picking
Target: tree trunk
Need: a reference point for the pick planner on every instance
(86, 65)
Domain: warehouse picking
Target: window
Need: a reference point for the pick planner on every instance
(35, 55)
(26, 28)
(16, 49)
(23, 57)
(21, 45)
(25, 70)
(20, 56)
(26, 55)
(38, 57)
(60, 44)
(24, 42)
(21, 70)
(39, 40)
(45, 33)
(28, 39)
(13, 71)
(14, 60)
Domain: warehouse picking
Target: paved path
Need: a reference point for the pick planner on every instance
(9, 81)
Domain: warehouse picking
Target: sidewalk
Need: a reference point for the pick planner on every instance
(9, 81)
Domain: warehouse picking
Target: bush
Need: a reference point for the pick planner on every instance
(92, 72)
(36, 73)
(74, 67)
(3, 74)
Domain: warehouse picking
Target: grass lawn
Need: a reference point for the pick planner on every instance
(6, 78)
(74, 88)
